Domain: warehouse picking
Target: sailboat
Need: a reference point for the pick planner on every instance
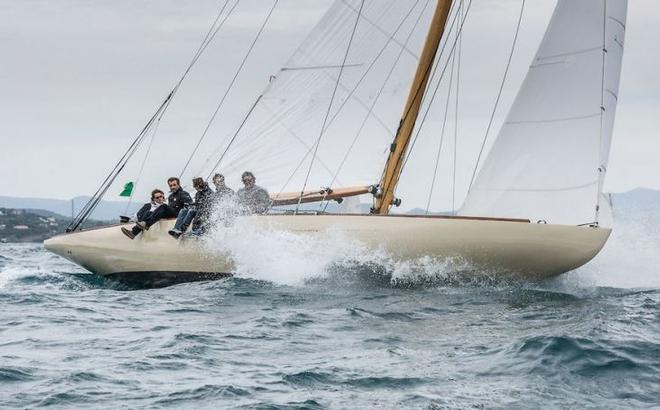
(534, 210)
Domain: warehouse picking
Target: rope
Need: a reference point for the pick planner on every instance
(391, 38)
(109, 179)
(231, 85)
(442, 133)
(369, 109)
(332, 98)
(458, 83)
(93, 202)
(601, 170)
(233, 138)
(499, 94)
(378, 95)
(144, 161)
(433, 65)
(442, 74)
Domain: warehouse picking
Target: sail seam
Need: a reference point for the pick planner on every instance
(572, 53)
(583, 117)
(320, 67)
(623, 25)
(612, 93)
(571, 188)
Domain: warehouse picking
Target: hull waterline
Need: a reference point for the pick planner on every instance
(503, 248)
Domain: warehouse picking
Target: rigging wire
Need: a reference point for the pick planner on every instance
(332, 98)
(380, 29)
(442, 133)
(144, 161)
(209, 37)
(93, 202)
(499, 93)
(403, 47)
(391, 37)
(432, 68)
(601, 168)
(458, 83)
(294, 134)
(233, 138)
(378, 95)
(442, 74)
(229, 88)
(109, 179)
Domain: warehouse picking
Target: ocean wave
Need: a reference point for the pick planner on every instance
(308, 404)
(316, 379)
(16, 374)
(545, 354)
(390, 316)
(208, 391)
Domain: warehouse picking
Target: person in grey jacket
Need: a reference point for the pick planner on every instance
(222, 191)
(252, 198)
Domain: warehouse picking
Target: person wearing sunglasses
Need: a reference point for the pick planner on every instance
(149, 214)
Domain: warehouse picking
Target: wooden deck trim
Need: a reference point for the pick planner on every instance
(475, 218)
(468, 218)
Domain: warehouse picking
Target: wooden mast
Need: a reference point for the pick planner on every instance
(399, 147)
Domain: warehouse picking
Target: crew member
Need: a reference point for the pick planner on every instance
(178, 198)
(149, 214)
(252, 198)
(222, 191)
(198, 213)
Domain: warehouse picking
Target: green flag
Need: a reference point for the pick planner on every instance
(128, 189)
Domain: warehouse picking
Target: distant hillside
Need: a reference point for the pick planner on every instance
(35, 225)
(639, 199)
(106, 211)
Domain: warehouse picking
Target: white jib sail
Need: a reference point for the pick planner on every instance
(550, 157)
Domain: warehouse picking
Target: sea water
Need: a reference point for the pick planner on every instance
(313, 325)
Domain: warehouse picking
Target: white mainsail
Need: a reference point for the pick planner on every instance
(550, 157)
(374, 37)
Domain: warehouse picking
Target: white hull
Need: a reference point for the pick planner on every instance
(503, 247)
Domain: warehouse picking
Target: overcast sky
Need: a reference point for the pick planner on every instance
(79, 78)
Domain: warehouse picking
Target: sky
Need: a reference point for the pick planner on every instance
(79, 79)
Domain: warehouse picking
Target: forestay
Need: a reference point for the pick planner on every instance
(550, 157)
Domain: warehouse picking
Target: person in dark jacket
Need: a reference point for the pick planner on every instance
(149, 214)
(222, 191)
(198, 213)
(178, 198)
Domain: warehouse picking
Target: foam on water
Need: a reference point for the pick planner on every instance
(283, 257)
(629, 259)
(25, 262)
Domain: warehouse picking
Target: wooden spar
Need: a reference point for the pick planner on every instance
(399, 147)
(292, 198)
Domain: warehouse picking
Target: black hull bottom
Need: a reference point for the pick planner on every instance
(162, 278)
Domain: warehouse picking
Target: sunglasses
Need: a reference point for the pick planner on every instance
(159, 197)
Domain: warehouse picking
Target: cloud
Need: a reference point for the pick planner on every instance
(79, 80)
